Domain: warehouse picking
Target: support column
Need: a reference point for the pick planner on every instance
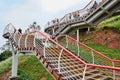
(78, 42)
(14, 63)
(78, 35)
(53, 31)
(59, 60)
(88, 31)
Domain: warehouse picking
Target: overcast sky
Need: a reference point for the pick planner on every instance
(22, 13)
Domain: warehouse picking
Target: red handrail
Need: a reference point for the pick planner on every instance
(60, 46)
(72, 13)
(81, 61)
(92, 65)
(88, 48)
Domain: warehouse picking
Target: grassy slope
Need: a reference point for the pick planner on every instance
(34, 69)
(112, 53)
(113, 22)
(29, 68)
(6, 64)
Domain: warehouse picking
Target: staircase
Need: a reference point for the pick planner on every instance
(59, 61)
(89, 17)
(85, 52)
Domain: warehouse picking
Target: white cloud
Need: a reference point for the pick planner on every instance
(54, 6)
(1, 3)
(23, 14)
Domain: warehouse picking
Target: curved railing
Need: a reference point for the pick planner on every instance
(59, 57)
(76, 16)
(86, 53)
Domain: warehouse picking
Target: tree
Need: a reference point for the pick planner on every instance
(4, 55)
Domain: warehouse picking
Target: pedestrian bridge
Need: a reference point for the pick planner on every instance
(65, 58)
(88, 17)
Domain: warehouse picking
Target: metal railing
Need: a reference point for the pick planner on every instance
(76, 16)
(86, 53)
(62, 59)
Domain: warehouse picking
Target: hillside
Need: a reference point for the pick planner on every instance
(34, 69)
(29, 69)
(107, 33)
(109, 37)
(105, 38)
(113, 22)
(5, 67)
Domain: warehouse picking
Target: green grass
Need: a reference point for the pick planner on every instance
(22, 76)
(6, 64)
(29, 68)
(34, 69)
(113, 22)
(112, 53)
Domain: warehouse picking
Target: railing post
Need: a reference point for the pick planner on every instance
(78, 49)
(57, 42)
(14, 37)
(26, 41)
(19, 41)
(42, 40)
(34, 39)
(84, 72)
(66, 41)
(113, 70)
(14, 62)
(59, 60)
(45, 44)
(93, 59)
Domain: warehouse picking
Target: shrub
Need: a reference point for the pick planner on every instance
(5, 55)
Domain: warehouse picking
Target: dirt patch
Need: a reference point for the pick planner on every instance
(5, 75)
(108, 37)
(43, 78)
